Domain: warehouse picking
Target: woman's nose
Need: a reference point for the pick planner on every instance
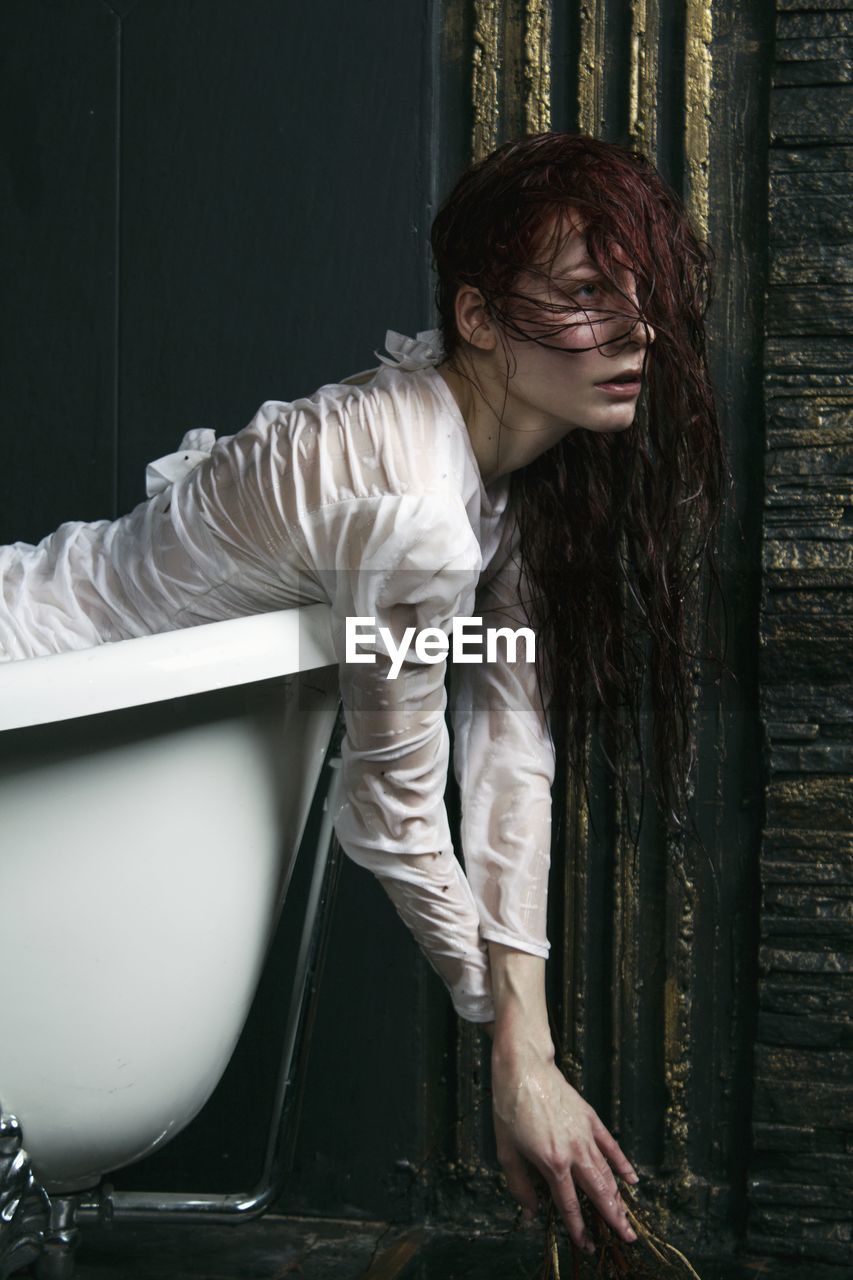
(638, 332)
(640, 323)
(643, 327)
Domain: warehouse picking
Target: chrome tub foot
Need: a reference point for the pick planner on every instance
(24, 1204)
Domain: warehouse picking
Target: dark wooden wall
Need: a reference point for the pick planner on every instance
(204, 204)
(801, 1187)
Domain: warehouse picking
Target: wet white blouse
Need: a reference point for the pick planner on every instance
(367, 495)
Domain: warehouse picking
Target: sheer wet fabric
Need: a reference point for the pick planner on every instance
(365, 495)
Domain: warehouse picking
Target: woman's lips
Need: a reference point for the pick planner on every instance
(624, 389)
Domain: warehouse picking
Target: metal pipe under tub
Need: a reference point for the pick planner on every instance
(153, 797)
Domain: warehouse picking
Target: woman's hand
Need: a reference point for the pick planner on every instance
(539, 1118)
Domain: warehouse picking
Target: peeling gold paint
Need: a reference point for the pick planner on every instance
(638, 41)
(488, 15)
(807, 554)
(642, 88)
(678, 1008)
(670, 1017)
(591, 68)
(537, 66)
(697, 102)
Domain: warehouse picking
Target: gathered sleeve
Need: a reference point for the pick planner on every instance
(402, 562)
(504, 764)
(205, 546)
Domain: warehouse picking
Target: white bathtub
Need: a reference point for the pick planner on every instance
(152, 799)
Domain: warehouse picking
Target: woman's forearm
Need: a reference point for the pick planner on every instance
(434, 901)
(518, 990)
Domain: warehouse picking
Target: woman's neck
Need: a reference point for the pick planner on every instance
(505, 435)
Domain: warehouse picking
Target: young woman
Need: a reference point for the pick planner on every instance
(543, 458)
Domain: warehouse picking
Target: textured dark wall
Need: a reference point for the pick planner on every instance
(801, 1188)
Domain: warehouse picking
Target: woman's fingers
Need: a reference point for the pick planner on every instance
(518, 1180)
(596, 1178)
(613, 1151)
(563, 1193)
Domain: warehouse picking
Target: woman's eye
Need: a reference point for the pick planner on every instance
(586, 291)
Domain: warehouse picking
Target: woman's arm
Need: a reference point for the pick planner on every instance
(206, 545)
(505, 767)
(540, 1120)
(403, 561)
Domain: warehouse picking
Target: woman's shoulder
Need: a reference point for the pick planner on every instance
(404, 394)
(389, 430)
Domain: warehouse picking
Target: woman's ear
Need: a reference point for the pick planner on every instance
(473, 321)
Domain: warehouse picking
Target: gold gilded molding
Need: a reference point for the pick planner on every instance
(591, 68)
(537, 66)
(697, 102)
(487, 28)
(642, 86)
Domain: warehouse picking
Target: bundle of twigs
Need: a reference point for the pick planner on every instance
(646, 1258)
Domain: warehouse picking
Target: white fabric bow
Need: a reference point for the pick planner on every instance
(163, 472)
(413, 353)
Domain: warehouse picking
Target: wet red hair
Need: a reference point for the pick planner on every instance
(615, 528)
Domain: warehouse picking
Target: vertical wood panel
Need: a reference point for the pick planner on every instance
(591, 117)
(58, 86)
(269, 179)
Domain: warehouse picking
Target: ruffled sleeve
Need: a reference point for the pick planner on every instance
(204, 546)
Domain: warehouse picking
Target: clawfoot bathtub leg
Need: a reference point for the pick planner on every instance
(62, 1236)
(24, 1205)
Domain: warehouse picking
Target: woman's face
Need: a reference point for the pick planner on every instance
(589, 374)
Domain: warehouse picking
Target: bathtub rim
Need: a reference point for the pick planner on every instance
(170, 664)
